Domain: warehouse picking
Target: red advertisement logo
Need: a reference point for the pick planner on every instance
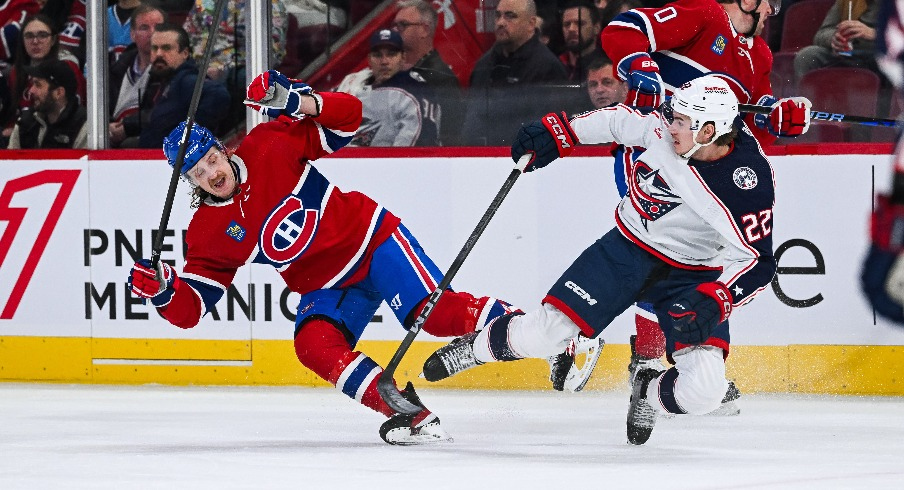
(13, 217)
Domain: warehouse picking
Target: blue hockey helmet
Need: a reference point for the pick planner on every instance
(200, 141)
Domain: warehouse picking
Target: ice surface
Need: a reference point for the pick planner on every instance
(150, 437)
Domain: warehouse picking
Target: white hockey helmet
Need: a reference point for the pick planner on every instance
(706, 99)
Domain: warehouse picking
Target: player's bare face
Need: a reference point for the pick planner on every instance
(213, 174)
(765, 10)
(680, 131)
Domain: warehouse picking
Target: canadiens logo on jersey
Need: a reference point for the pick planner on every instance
(719, 44)
(235, 231)
(650, 194)
(288, 231)
(745, 178)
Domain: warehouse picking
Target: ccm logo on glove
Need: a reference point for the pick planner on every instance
(551, 121)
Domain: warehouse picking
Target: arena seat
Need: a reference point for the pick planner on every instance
(782, 76)
(801, 22)
(853, 91)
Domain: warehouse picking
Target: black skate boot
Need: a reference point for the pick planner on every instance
(452, 358)
(559, 367)
(641, 415)
(409, 429)
(564, 371)
(728, 406)
(639, 362)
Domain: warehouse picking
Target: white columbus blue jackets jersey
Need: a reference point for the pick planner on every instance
(693, 214)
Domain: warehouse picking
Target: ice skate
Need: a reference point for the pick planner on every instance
(641, 415)
(729, 405)
(639, 362)
(565, 374)
(452, 358)
(410, 429)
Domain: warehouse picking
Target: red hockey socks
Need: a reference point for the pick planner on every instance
(322, 348)
(460, 313)
(650, 341)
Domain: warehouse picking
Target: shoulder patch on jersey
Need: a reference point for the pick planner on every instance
(745, 178)
(719, 44)
(235, 231)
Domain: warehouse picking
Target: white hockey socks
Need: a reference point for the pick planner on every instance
(541, 333)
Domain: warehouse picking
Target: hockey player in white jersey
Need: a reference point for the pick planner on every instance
(693, 237)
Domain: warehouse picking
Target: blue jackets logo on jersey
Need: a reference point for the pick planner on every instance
(745, 178)
(650, 194)
(288, 231)
(235, 231)
(719, 44)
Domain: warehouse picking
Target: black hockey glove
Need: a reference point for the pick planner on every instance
(696, 313)
(546, 139)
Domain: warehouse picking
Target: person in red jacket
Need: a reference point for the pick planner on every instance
(341, 251)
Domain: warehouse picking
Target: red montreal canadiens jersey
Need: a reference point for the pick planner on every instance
(285, 214)
(690, 38)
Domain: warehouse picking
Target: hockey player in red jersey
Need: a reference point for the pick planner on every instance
(693, 237)
(656, 50)
(344, 253)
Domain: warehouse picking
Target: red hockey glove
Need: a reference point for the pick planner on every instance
(546, 139)
(789, 116)
(697, 312)
(157, 285)
(273, 94)
(644, 82)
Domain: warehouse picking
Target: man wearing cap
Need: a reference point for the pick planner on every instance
(400, 109)
(55, 119)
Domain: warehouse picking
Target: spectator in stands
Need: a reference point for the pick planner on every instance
(55, 119)
(603, 88)
(581, 28)
(12, 15)
(399, 107)
(167, 97)
(119, 31)
(508, 80)
(129, 74)
(70, 14)
(846, 38)
(316, 12)
(416, 22)
(613, 8)
(38, 43)
(227, 62)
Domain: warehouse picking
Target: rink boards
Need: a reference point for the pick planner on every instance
(71, 225)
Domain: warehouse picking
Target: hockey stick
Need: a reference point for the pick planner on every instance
(157, 248)
(828, 116)
(385, 384)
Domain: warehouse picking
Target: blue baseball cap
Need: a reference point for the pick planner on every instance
(386, 38)
(200, 141)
